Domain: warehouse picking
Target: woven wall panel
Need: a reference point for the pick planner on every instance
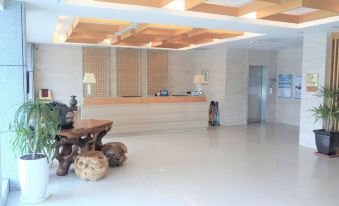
(157, 72)
(96, 60)
(128, 72)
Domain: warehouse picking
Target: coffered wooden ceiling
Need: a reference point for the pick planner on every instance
(95, 31)
(291, 11)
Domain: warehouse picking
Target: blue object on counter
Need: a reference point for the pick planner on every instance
(163, 93)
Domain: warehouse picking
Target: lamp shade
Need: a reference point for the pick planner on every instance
(199, 79)
(89, 78)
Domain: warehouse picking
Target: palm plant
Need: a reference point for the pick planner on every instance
(36, 125)
(329, 110)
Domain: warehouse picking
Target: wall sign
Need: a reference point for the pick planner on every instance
(205, 74)
(285, 85)
(312, 82)
(297, 86)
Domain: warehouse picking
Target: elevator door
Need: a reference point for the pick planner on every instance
(257, 88)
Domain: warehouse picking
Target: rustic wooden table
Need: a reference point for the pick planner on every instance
(85, 136)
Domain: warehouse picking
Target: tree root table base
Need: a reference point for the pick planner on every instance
(85, 136)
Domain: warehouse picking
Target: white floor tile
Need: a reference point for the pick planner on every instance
(258, 164)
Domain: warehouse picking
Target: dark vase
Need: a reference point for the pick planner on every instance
(73, 102)
(327, 142)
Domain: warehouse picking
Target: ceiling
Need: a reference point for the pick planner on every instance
(52, 16)
(123, 33)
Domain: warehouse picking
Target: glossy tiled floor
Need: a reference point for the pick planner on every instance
(241, 165)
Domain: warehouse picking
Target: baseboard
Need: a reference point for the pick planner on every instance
(5, 190)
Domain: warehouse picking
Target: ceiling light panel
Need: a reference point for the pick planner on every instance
(300, 11)
(231, 3)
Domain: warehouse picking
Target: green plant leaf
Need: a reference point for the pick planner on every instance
(36, 126)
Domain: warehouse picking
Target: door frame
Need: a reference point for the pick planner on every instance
(265, 68)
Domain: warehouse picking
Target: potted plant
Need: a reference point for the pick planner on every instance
(327, 139)
(35, 125)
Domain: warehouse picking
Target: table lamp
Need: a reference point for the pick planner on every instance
(89, 79)
(198, 81)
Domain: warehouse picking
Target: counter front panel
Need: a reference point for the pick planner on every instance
(147, 114)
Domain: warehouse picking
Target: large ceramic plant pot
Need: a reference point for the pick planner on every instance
(33, 177)
(327, 142)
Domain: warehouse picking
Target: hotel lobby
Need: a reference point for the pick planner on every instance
(169, 102)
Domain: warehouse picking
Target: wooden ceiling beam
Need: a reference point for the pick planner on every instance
(326, 5)
(172, 45)
(280, 8)
(190, 4)
(316, 15)
(148, 3)
(215, 9)
(288, 18)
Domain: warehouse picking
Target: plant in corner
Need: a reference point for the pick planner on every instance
(327, 139)
(35, 125)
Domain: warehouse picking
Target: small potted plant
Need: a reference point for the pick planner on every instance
(35, 125)
(327, 138)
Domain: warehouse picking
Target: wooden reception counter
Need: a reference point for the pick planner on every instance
(148, 114)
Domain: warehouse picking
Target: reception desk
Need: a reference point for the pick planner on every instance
(148, 114)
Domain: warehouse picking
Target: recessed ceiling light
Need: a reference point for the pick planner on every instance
(176, 5)
(252, 15)
(107, 41)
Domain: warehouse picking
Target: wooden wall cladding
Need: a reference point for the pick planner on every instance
(157, 73)
(334, 69)
(128, 72)
(96, 60)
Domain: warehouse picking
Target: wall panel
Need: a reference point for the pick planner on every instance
(96, 60)
(128, 72)
(157, 73)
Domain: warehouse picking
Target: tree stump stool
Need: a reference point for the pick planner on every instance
(116, 153)
(91, 165)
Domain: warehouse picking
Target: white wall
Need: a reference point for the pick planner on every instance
(214, 61)
(58, 68)
(315, 60)
(181, 71)
(287, 111)
(235, 109)
(228, 75)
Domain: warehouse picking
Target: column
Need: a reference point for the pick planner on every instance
(316, 59)
(12, 74)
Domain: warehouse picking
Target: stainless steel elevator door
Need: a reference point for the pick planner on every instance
(257, 84)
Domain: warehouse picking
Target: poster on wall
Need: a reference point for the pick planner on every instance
(285, 85)
(297, 86)
(312, 82)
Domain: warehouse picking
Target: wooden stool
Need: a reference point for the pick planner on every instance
(116, 153)
(91, 165)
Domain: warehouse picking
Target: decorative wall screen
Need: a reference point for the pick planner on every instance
(157, 72)
(128, 72)
(96, 60)
(333, 80)
(334, 69)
